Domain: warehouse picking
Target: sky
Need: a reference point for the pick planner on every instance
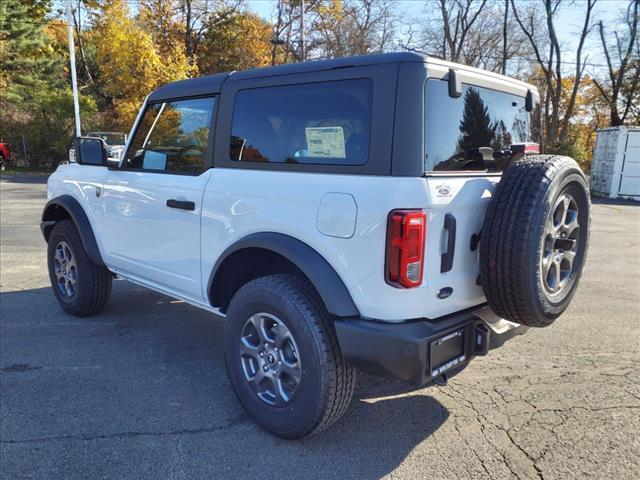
(568, 23)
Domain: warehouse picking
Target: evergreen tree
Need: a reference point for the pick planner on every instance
(27, 63)
(476, 129)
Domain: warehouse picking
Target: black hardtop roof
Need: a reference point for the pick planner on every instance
(212, 83)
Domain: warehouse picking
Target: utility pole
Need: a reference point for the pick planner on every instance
(74, 79)
(302, 30)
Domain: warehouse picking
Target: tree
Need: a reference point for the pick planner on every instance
(158, 17)
(476, 127)
(35, 100)
(623, 69)
(26, 63)
(477, 33)
(286, 42)
(333, 28)
(342, 28)
(129, 63)
(196, 16)
(557, 126)
(239, 42)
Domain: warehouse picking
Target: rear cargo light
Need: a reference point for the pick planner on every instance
(525, 148)
(406, 231)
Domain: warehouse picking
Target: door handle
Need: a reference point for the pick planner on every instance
(446, 260)
(182, 204)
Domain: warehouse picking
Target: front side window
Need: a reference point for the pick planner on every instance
(324, 123)
(172, 137)
(473, 132)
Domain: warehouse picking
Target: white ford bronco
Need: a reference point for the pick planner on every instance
(388, 212)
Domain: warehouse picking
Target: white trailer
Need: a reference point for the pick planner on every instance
(615, 171)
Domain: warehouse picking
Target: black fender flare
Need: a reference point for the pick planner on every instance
(50, 215)
(320, 273)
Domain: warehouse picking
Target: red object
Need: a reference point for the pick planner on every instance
(5, 150)
(526, 148)
(406, 231)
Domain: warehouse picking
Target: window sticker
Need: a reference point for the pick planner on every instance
(325, 142)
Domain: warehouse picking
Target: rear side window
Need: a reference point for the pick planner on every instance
(324, 123)
(472, 132)
(172, 137)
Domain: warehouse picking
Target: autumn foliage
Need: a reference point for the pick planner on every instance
(125, 49)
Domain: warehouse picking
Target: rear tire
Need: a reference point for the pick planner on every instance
(314, 382)
(81, 287)
(534, 240)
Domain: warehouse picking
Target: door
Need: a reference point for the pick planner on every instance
(469, 141)
(630, 175)
(152, 204)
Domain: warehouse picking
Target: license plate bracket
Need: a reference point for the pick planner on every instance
(447, 352)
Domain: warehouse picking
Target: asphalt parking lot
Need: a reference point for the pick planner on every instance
(139, 391)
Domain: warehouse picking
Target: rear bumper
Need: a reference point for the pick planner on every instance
(406, 350)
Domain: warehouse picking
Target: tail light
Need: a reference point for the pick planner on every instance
(405, 248)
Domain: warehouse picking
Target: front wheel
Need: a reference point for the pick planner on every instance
(81, 287)
(283, 358)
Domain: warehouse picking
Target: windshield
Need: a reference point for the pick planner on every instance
(475, 131)
(111, 138)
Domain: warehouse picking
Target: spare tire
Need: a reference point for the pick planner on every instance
(534, 239)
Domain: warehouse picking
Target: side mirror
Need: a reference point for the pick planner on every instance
(91, 151)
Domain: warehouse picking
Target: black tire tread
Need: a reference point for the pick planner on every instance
(98, 281)
(505, 239)
(342, 375)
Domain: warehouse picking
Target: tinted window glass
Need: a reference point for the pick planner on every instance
(172, 137)
(456, 128)
(319, 123)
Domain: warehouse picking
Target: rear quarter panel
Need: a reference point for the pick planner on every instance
(239, 202)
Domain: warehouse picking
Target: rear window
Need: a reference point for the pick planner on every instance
(324, 123)
(475, 131)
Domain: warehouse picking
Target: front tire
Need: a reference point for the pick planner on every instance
(81, 287)
(283, 359)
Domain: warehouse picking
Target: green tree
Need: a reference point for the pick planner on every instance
(35, 97)
(476, 128)
(26, 60)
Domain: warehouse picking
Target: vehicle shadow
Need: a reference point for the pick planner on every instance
(164, 360)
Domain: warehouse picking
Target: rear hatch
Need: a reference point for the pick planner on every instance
(469, 140)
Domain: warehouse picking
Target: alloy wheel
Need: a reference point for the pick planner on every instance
(270, 359)
(561, 245)
(66, 270)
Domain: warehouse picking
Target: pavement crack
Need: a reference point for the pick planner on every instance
(178, 457)
(88, 438)
(466, 442)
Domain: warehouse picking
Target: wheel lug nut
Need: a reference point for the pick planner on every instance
(265, 368)
(261, 354)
